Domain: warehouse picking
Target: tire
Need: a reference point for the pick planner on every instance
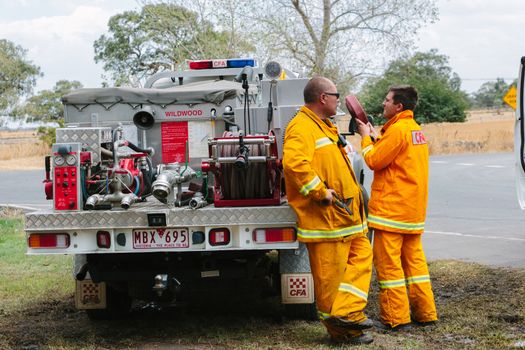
(118, 305)
(307, 312)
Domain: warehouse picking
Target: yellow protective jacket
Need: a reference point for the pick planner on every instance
(313, 160)
(399, 159)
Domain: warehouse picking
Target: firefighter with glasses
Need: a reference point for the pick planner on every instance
(323, 191)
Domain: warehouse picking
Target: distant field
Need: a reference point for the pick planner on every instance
(21, 150)
(485, 131)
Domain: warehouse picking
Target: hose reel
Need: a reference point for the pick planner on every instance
(245, 168)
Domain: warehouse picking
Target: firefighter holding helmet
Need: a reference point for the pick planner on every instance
(324, 193)
(397, 210)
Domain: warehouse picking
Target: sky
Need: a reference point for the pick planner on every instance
(482, 38)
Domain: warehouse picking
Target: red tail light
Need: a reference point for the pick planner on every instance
(219, 236)
(103, 239)
(48, 240)
(201, 64)
(274, 235)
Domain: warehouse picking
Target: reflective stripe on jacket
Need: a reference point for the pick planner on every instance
(311, 159)
(399, 159)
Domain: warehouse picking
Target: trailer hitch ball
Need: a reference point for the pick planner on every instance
(161, 284)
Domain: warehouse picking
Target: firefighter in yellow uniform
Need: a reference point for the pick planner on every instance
(323, 191)
(397, 210)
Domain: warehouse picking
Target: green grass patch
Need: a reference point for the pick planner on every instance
(28, 280)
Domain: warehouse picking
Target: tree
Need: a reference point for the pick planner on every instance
(17, 75)
(341, 39)
(490, 94)
(46, 105)
(440, 97)
(161, 36)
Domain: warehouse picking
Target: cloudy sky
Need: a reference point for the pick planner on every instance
(482, 38)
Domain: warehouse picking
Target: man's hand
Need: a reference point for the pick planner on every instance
(329, 197)
(362, 128)
(366, 129)
(373, 132)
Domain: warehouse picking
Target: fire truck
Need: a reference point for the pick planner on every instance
(162, 191)
(519, 137)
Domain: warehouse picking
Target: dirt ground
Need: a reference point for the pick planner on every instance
(479, 308)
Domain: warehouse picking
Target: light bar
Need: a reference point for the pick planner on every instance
(232, 63)
(274, 235)
(48, 240)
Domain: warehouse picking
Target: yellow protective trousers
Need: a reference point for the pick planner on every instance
(400, 265)
(342, 271)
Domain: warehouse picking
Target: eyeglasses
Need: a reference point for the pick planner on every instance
(336, 94)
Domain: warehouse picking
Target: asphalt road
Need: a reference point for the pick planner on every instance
(473, 212)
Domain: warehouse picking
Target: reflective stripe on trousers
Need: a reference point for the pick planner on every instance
(341, 272)
(400, 262)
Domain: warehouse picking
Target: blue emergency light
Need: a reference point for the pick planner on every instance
(241, 62)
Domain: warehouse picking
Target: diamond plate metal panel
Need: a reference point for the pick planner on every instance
(91, 138)
(294, 261)
(228, 216)
(137, 217)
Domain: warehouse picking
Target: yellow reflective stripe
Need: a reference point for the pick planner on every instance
(347, 231)
(310, 186)
(418, 279)
(391, 284)
(396, 224)
(323, 315)
(367, 149)
(325, 141)
(346, 287)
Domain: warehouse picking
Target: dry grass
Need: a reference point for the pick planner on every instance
(21, 150)
(485, 131)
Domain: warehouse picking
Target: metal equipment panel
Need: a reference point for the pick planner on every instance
(137, 217)
(91, 138)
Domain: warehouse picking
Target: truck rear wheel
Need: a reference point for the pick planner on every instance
(118, 305)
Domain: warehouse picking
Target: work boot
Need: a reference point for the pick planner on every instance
(352, 339)
(387, 328)
(347, 324)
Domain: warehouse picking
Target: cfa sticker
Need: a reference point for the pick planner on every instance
(418, 138)
(90, 295)
(297, 287)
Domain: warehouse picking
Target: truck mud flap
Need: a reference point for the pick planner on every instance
(297, 288)
(90, 295)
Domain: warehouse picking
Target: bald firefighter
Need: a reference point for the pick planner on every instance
(397, 210)
(323, 191)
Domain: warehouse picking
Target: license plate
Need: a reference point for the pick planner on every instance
(161, 238)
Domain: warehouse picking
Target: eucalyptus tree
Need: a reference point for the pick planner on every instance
(17, 75)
